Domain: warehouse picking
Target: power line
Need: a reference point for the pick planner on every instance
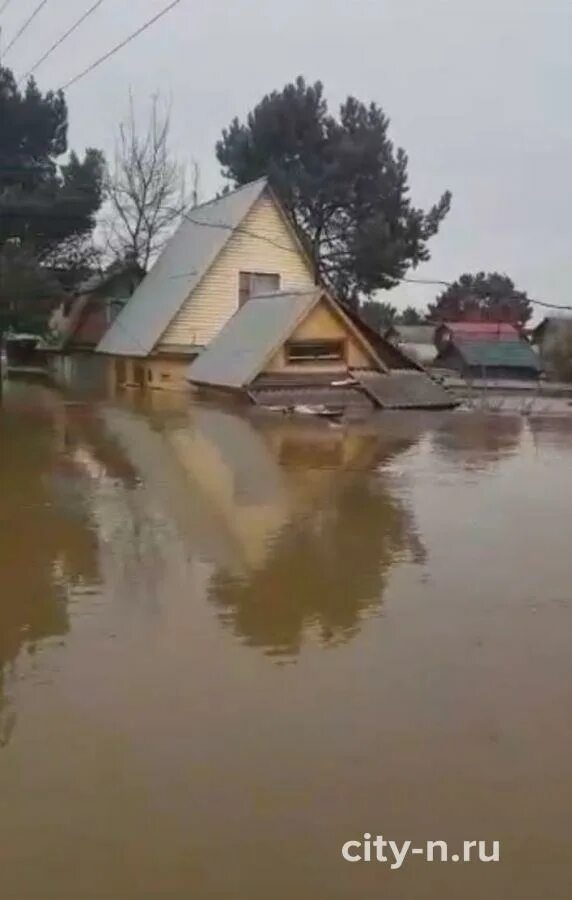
(63, 38)
(239, 229)
(25, 26)
(441, 283)
(121, 45)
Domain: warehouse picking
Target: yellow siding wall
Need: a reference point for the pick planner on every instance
(323, 324)
(215, 299)
(162, 374)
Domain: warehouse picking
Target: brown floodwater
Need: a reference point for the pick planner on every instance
(229, 644)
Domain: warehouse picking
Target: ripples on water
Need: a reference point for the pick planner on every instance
(230, 642)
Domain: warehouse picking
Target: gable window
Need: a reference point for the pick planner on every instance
(256, 284)
(315, 351)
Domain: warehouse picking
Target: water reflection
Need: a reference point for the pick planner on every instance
(478, 440)
(313, 538)
(45, 544)
(299, 542)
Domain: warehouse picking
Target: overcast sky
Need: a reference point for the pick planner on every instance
(478, 92)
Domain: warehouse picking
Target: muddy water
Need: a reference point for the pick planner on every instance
(229, 645)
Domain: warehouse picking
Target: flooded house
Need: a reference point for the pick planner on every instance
(486, 350)
(80, 322)
(303, 350)
(232, 299)
(224, 253)
(22, 354)
(553, 341)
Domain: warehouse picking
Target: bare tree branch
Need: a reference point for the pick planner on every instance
(146, 190)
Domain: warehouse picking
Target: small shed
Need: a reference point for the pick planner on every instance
(498, 359)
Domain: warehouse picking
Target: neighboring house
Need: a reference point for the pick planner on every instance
(418, 341)
(553, 339)
(80, 322)
(491, 350)
(303, 349)
(502, 359)
(223, 254)
(475, 331)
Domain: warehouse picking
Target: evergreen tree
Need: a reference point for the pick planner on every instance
(378, 315)
(42, 203)
(342, 181)
(488, 297)
(48, 203)
(411, 316)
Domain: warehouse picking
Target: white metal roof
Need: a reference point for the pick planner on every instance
(238, 353)
(185, 259)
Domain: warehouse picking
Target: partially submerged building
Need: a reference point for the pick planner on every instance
(486, 350)
(553, 340)
(233, 296)
(303, 350)
(224, 253)
(80, 322)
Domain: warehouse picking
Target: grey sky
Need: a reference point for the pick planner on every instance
(478, 93)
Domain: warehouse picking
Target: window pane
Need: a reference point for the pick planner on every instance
(315, 351)
(264, 284)
(256, 284)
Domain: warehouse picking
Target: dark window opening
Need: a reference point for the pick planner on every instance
(139, 375)
(256, 284)
(315, 351)
(120, 371)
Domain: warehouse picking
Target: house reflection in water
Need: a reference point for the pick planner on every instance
(310, 529)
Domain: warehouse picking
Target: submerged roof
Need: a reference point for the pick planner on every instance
(238, 353)
(189, 253)
(509, 354)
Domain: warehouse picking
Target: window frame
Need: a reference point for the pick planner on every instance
(338, 353)
(245, 293)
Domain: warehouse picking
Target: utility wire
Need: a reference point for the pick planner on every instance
(63, 38)
(25, 26)
(121, 45)
(239, 229)
(440, 283)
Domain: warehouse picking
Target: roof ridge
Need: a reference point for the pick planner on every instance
(232, 193)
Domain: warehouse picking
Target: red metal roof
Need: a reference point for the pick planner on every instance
(483, 331)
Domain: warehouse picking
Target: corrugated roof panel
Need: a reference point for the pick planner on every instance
(239, 351)
(177, 271)
(483, 330)
(515, 354)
